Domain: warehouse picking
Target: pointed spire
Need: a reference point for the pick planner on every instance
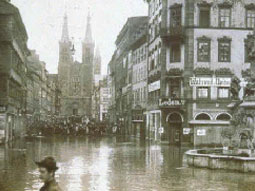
(65, 35)
(88, 36)
(98, 55)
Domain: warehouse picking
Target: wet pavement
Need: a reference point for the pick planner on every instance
(103, 164)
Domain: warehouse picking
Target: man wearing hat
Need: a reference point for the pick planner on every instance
(47, 169)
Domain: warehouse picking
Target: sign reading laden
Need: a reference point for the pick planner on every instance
(214, 81)
(170, 102)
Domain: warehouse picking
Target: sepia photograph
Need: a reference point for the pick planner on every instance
(127, 95)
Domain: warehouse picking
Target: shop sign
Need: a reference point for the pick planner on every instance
(201, 132)
(186, 131)
(210, 82)
(154, 86)
(161, 130)
(171, 102)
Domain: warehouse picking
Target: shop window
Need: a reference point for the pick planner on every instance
(250, 18)
(224, 50)
(223, 117)
(203, 49)
(175, 54)
(203, 92)
(224, 17)
(203, 116)
(223, 93)
(204, 17)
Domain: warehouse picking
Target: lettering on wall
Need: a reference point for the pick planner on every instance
(209, 82)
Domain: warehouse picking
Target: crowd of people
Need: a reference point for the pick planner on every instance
(75, 128)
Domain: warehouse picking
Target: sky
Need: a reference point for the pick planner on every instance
(43, 20)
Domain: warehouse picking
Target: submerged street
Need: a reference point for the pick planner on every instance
(110, 163)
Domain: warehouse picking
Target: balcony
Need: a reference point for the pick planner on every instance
(176, 33)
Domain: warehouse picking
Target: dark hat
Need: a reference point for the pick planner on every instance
(49, 163)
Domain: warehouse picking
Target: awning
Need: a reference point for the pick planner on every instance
(209, 122)
(248, 104)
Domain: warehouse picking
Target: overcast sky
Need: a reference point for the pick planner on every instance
(44, 18)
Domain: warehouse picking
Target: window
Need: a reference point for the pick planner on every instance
(152, 64)
(246, 52)
(176, 15)
(203, 116)
(204, 17)
(225, 17)
(250, 18)
(223, 117)
(175, 54)
(174, 89)
(223, 92)
(75, 111)
(203, 50)
(224, 50)
(203, 92)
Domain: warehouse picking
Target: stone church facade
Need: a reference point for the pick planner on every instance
(75, 78)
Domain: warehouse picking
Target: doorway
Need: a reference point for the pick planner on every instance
(175, 128)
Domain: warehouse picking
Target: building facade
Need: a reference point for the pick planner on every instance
(139, 81)
(13, 68)
(75, 78)
(196, 50)
(121, 75)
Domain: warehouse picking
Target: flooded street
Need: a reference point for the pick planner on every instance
(103, 164)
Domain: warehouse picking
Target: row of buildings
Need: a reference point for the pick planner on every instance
(28, 93)
(176, 74)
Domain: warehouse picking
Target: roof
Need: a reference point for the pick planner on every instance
(131, 21)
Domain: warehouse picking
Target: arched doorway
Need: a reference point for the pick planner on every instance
(175, 127)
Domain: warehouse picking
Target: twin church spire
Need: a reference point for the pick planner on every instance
(88, 35)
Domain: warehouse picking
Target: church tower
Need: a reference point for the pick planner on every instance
(88, 47)
(65, 60)
(97, 62)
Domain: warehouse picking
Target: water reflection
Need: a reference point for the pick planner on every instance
(89, 164)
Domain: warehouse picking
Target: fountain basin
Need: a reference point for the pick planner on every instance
(215, 159)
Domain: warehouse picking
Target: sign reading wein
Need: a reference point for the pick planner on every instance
(209, 82)
(167, 102)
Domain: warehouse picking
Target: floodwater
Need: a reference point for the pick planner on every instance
(110, 163)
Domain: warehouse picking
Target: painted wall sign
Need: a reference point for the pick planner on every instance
(201, 132)
(186, 131)
(154, 86)
(209, 82)
(170, 102)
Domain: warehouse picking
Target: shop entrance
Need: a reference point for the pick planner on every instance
(175, 128)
